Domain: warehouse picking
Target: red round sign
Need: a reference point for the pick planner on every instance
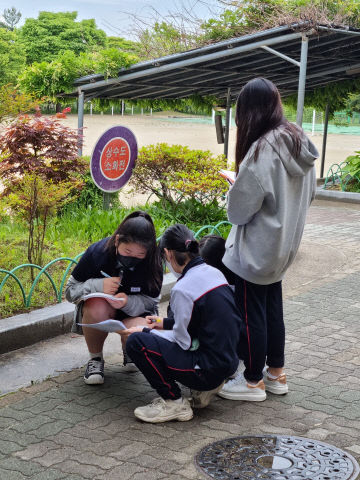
(114, 159)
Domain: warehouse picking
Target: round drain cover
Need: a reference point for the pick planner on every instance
(275, 457)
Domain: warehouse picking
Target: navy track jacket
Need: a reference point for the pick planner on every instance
(202, 307)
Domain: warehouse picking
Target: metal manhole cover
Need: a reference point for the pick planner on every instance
(275, 458)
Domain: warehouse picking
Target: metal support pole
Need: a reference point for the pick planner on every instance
(106, 201)
(313, 123)
(302, 79)
(323, 151)
(80, 120)
(227, 122)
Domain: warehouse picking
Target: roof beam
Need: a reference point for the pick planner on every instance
(241, 78)
(281, 55)
(190, 61)
(338, 30)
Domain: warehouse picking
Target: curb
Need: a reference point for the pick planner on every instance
(28, 328)
(345, 197)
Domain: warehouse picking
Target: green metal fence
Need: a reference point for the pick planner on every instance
(43, 271)
(336, 176)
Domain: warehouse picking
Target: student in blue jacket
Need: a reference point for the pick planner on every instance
(197, 344)
(131, 261)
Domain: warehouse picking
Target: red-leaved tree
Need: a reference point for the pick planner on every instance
(39, 145)
(39, 167)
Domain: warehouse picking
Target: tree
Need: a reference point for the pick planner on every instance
(50, 79)
(11, 18)
(110, 60)
(14, 103)
(35, 200)
(124, 45)
(353, 103)
(11, 57)
(262, 14)
(38, 168)
(52, 33)
(164, 38)
(230, 23)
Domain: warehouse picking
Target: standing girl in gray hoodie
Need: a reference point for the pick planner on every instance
(267, 205)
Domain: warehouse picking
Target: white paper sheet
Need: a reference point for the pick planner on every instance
(106, 326)
(116, 302)
(228, 175)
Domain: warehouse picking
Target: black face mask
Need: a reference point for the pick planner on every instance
(126, 263)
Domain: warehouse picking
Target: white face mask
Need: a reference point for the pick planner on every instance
(169, 266)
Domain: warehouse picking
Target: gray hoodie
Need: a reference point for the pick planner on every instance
(267, 206)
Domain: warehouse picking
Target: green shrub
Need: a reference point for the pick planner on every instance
(191, 212)
(352, 172)
(174, 173)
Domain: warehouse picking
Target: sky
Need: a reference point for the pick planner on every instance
(115, 17)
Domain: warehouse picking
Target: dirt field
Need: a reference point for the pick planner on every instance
(164, 128)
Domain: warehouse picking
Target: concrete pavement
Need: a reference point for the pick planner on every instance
(61, 428)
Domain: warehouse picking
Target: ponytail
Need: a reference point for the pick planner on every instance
(181, 240)
(192, 246)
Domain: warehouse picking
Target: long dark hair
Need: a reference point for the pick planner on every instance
(212, 250)
(138, 227)
(181, 240)
(259, 110)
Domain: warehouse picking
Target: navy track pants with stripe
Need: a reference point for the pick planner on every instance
(262, 338)
(164, 363)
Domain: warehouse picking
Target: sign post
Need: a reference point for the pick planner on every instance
(113, 160)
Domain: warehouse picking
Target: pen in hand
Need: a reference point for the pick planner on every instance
(104, 274)
(156, 320)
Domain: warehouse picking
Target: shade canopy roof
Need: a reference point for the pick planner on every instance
(333, 55)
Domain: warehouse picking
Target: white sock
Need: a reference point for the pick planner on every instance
(273, 377)
(96, 355)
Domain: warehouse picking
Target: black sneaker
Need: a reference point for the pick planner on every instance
(94, 374)
(128, 365)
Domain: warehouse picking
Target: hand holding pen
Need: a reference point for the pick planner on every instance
(111, 284)
(155, 321)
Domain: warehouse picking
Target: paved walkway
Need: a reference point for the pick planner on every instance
(63, 429)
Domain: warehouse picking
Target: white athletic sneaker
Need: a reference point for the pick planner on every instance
(277, 385)
(160, 410)
(200, 399)
(240, 369)
(94, 374)
(240, 389)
